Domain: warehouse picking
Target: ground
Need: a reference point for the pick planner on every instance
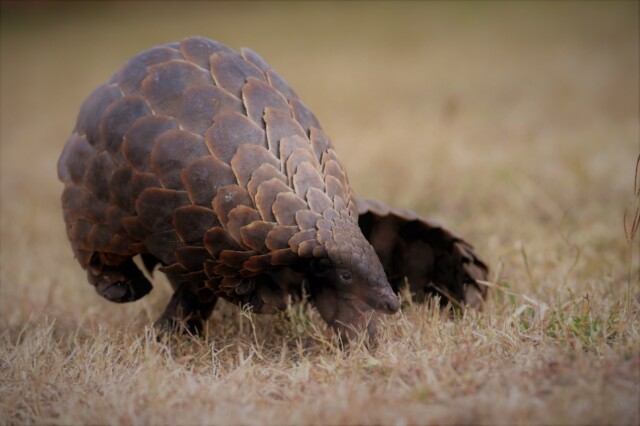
(515, 124)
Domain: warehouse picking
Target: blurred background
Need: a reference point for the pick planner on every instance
(514, 123)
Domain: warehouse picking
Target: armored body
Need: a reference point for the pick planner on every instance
(204, 161)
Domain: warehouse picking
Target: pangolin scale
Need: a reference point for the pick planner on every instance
(205, 161)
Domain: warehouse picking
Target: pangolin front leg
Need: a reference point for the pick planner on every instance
(188, 308)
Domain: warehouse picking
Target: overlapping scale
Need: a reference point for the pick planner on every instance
(228, 198)
(120, 186)
(92, 110)
(266, 197)
(75, 158)
(163, 245)
(192, 258)
(280, 85)
(139, 139)
(262, 174)
(285, 207)
(217, 239)
(230, 72)
(239, 217)
(303, 116)
(230, 130)
(307, 176)
(174, 151)
(204, 177)
(130, 78)
(192, 222)
(167, 82)
(199, 50)
(298, 157)
(258, 95)
(254, 235)
(278, 238)
(280, 125)
(155, 207)
(96, 177)
(117, 120)
(248, 159)
(257, 60)
(200, 104)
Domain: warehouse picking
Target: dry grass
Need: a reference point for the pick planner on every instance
(515, 124)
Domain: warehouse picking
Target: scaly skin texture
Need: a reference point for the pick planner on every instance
(204, 160)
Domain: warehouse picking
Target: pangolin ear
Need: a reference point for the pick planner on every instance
(320, 267)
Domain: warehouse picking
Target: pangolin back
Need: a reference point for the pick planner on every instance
(206, 160)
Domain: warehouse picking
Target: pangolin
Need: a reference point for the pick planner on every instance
(205, 161)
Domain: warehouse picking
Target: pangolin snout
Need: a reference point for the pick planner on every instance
(394, 305)
(383, 299)
(388, 301)
(389, 306)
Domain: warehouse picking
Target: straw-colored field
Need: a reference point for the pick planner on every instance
(515, 124)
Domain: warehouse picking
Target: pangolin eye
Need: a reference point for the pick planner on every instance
(346, 276)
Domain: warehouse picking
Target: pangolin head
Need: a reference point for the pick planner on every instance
(348, 284)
